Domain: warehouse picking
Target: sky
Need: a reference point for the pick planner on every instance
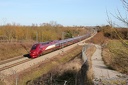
(64, 12)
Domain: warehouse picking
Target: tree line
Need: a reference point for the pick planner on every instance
(40, 33)
(113, 33)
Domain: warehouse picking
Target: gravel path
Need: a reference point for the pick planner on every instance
(100, 70)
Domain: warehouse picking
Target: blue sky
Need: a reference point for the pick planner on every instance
(65, 12)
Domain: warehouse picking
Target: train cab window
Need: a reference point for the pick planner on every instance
(34, 47)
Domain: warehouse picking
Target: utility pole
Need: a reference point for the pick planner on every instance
(42, 37)
(63, 35)
(62, 39)
(37, 36)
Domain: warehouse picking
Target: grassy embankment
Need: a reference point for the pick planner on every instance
(115, 55)
(47, 65)
(10, 50)
(68, 72)
(89, 54)
(63, 72)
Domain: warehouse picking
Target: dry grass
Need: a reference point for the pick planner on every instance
(48, 65)
(115, 55)
(89, 53)
(10, 50)
(98, 39)
(63, 72)
(72, 65)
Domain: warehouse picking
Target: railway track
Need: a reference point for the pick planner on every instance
(9, 63)
(11, 59)
(13, 62)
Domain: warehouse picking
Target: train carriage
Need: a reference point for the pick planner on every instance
(45, 47)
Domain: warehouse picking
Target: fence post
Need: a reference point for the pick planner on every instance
(84, 57)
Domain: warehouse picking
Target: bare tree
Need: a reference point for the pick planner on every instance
(120, 17)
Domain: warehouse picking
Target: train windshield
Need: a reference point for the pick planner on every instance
(34, 47)
(44, 43)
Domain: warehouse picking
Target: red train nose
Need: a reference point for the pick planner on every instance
(33, 54)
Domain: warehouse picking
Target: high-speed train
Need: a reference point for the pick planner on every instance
(45, 47)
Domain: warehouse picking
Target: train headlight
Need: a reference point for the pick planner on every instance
(34, 52)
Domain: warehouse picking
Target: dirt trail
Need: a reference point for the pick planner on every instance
(100, 70)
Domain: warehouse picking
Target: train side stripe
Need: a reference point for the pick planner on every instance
(51, 46)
